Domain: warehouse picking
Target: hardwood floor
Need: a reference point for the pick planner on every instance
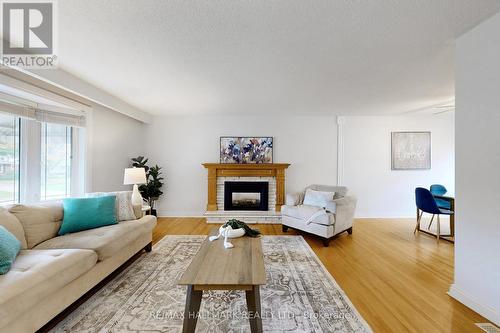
(397, 280)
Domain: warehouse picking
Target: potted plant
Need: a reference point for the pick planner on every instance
(150, 191)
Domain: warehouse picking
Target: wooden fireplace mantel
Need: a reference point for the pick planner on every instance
(215, 170)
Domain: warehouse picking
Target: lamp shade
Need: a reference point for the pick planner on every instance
(134, 176)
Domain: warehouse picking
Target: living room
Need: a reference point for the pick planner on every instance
(249, 166)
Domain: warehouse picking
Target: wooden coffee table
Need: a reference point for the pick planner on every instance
(217, 268)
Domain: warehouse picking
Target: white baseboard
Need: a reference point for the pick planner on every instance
(168, 213)
(470, 302)
(391, 216)
(385, 215)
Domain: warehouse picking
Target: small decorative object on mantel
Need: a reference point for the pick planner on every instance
(246, 150)
(411, 150)
(234, 229)
(151, 190)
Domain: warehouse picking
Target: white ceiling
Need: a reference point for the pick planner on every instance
(288, 56)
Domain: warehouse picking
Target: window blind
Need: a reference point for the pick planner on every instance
(67, 119)
(41, 115)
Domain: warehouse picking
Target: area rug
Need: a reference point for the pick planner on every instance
(300, 295)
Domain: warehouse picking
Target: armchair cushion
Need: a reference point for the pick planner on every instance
(340, 191)
(305, 212)
(331, 207)
(318, 198)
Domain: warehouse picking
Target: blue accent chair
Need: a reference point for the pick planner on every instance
(439, 190)
(427, 204)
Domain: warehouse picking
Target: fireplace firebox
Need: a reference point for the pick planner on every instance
(246, 196)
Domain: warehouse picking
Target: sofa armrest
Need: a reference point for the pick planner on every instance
(293, 199)
(150, 219)
(344, 216)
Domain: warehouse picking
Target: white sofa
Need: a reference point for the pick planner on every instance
(337, 217)
(51, 272)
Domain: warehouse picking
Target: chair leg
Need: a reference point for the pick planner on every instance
(430, 223)
(438, 228)
(419, 217)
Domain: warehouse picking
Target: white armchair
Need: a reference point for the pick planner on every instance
(336, 217)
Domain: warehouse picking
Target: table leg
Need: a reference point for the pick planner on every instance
(452, 218)
(254, 311)
(193, 302)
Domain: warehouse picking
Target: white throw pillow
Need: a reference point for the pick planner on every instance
(124, 208)
(318, 198)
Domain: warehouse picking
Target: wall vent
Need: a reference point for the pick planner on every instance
(489, 328)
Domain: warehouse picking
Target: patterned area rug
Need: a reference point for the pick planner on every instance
(300, 295)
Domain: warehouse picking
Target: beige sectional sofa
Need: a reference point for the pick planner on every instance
(51, 272)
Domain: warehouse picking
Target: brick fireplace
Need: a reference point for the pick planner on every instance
(238, 190)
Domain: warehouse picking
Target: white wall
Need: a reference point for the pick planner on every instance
(181, 143)
(477, 247)
(367, 172)
(113, 140)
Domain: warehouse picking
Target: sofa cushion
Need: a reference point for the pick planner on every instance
(106, 241)
(9, 248)
(87, 213)
(11, 223)
(39, 222)
(36, 274)
(56, 208)
(304, 212)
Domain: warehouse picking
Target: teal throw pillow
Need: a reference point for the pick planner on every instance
(9, 248)
(87, 213)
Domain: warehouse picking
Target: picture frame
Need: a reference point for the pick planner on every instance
(246, 149)
(411, 150)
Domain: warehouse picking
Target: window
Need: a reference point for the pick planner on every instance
(56, 147)
(42, 145)
(9, 159)
(37, 160)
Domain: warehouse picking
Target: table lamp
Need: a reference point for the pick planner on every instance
(135, 176)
